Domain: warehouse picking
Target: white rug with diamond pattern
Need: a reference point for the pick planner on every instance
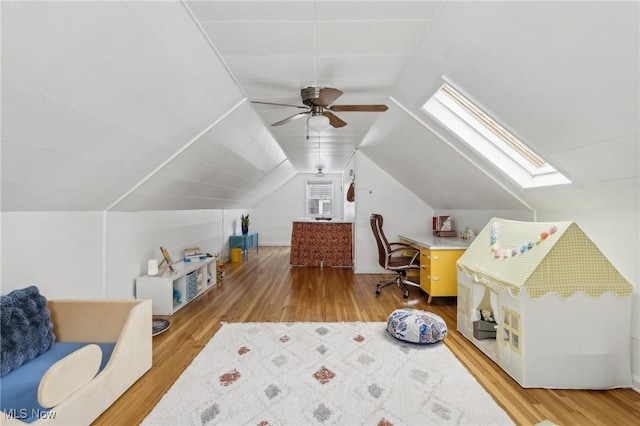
(321, 374)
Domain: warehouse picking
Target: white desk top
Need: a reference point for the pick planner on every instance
(437, 243)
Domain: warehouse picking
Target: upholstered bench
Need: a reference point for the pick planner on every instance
(416, 326)
(79, 357)
(30, 390)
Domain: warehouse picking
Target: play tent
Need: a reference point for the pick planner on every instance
(562, 311)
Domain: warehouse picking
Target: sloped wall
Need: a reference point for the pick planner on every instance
(134, 109)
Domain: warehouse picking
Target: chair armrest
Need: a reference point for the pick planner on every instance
(403, 244)
(405, 247)
(95, 321)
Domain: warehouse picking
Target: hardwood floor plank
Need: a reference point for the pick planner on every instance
(266, 289)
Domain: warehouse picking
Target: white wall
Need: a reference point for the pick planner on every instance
(403, 212)
(99, 254)
(478, 219)
(348, 176)
(60, 252)
(376, 191)
(272, 216)
(134, 238)
(231, 225)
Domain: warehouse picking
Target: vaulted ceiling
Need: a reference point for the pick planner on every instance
(147, 105)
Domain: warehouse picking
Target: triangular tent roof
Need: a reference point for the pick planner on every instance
(541, 257)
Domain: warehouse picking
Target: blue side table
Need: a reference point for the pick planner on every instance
(245, 242)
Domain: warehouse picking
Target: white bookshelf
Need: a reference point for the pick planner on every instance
(191, 279)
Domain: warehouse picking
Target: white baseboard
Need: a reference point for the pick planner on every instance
(635, 382)
(635, 363)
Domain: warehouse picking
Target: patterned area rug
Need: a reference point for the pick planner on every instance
(322, 374)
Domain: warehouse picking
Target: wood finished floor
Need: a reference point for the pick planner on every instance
(267, 289)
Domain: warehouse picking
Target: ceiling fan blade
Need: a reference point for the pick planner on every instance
(362, 108)
(334, 120)
(327, 96)
(272, 103)
(293, 117)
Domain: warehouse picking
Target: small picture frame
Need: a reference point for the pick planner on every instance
(167, 262)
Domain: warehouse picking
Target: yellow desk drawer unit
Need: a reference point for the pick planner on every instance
(438, 257)
(438, 274)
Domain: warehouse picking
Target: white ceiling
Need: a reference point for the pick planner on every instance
(146, 105)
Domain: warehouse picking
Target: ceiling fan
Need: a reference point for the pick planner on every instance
(318, 101)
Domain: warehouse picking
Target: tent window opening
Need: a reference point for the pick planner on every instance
(495, 143)
(510, 326)
(319, 199)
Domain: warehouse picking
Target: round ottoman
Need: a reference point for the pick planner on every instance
(413, 325)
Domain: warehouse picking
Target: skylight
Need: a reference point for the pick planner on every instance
(499, 146)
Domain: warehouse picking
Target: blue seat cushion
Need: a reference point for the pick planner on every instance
(416, 326)
(19, 397)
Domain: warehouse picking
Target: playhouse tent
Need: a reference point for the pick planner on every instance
(562, 310)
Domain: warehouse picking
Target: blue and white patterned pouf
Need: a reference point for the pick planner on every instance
(413, 325)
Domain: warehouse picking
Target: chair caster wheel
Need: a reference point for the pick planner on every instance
(377, 292)
(406, 295)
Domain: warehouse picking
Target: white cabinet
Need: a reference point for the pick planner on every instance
(173, 290)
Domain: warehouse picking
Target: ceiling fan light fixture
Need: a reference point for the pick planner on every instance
(319, 174)
(318, 122)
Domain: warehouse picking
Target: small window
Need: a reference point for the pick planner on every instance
(319, 199)
(485, 135)
(510, 327)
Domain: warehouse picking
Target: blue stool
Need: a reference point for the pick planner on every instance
(413, 325)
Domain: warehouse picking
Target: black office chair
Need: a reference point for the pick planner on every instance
(395, 257)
